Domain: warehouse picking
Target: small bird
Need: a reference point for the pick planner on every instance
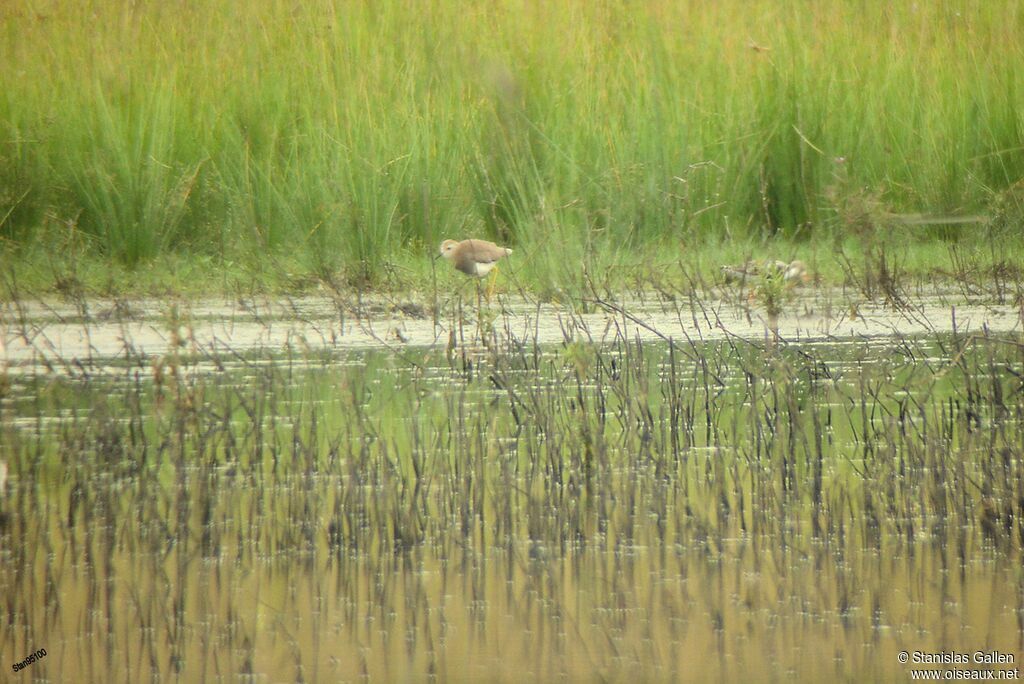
(795, 270)
(473, 257)
(792, 272)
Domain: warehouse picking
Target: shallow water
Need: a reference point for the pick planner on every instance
(63, 336)
(584, 501)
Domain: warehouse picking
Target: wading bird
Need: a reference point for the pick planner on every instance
(474, 257)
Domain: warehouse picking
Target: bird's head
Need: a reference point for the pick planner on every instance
(448, 248)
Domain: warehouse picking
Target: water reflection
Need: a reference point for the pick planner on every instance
(624, 512)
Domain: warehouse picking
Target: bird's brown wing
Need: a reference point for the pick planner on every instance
(483, 251)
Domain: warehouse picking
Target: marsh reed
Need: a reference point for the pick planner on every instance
(322, 140)
(680, 509)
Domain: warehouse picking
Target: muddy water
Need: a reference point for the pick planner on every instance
(232, 494)
(61, 334)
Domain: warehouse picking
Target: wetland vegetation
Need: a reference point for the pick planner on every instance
(294, 144)
(728, 509)
(628, 464)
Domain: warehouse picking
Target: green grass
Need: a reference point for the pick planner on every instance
(564, 274)
(345, 142)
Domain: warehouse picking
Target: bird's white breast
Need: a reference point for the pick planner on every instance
(483, 268)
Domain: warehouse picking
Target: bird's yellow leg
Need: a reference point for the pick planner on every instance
(491, 285)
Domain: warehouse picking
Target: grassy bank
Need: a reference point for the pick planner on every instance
(289, 143)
